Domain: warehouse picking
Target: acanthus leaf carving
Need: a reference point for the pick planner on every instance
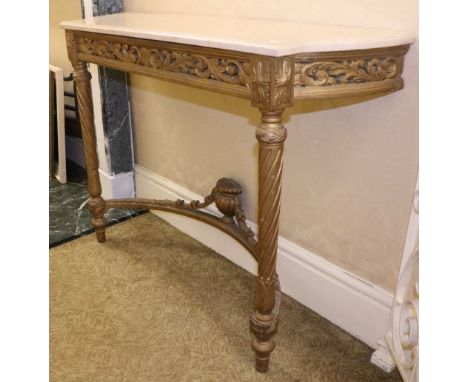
(272, 82)
(210, 67)
(351, 71)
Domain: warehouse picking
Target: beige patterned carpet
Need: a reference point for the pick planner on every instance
(152, 304)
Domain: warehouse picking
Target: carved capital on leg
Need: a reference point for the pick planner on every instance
(272, 83)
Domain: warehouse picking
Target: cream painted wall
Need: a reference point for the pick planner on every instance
(349, 172)
(61, 10)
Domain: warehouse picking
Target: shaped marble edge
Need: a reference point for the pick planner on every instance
(262, 37)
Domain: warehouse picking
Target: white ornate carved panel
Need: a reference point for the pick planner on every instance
(402, 337)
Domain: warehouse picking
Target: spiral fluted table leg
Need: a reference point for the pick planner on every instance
(263, 323)
(96, 204)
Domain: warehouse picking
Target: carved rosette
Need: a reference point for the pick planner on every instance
(322, 72)
(210, 67)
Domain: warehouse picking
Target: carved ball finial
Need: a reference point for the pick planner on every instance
(228, 186)
(226, 197)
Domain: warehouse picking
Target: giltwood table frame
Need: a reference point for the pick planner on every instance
(272, 84)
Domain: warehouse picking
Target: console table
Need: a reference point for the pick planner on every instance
(272, 64)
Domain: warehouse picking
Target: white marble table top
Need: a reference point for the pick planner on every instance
(265, 37)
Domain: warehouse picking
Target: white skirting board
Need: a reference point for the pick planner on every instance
(117, 186)
(356, 305)
(113, 186)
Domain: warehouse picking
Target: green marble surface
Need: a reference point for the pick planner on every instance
(69, 216)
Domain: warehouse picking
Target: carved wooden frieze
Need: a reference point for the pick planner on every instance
(325, 73)
(272, 83)
(349, 73)
(210, 67)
